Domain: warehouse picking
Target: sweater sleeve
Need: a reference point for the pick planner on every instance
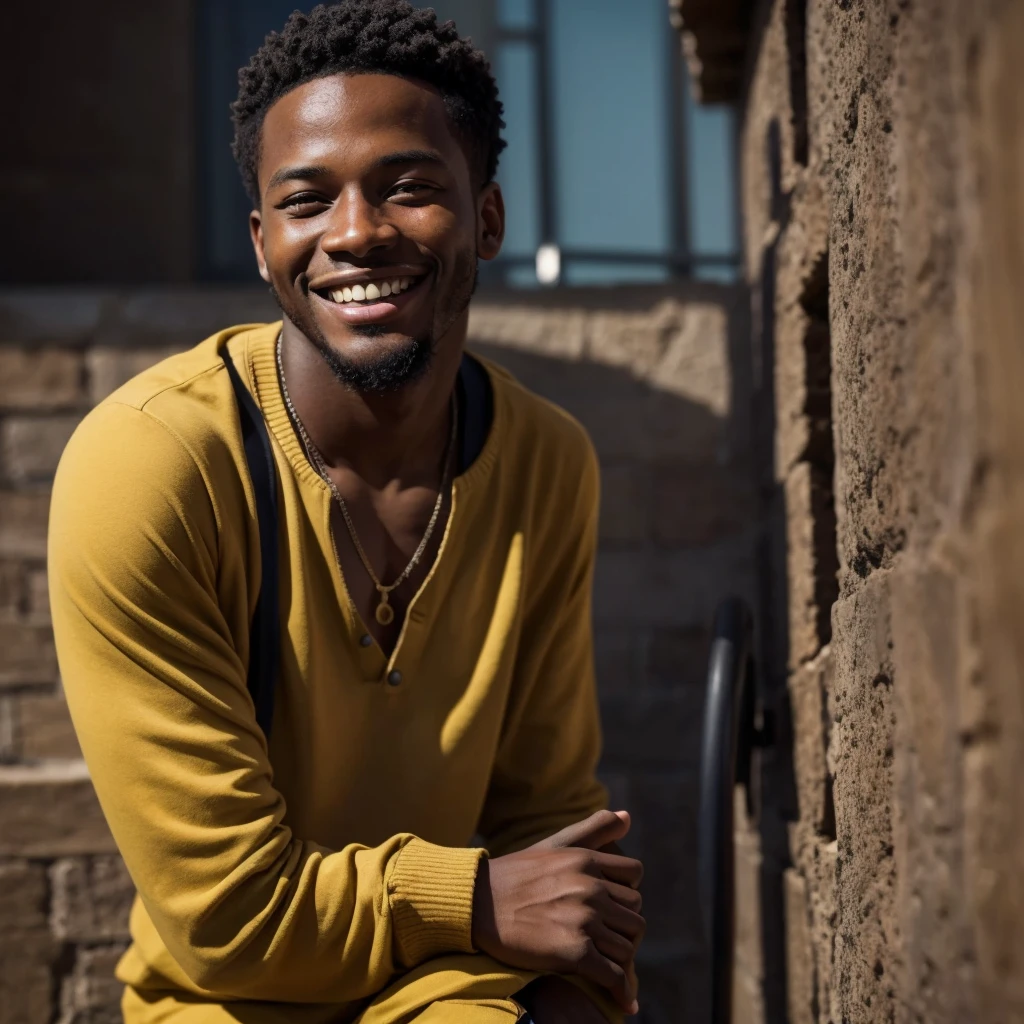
(544, 774)
(149, 625)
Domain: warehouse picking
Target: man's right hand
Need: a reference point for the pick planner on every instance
(564, 906)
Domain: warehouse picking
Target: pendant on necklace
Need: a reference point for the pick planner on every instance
(384, 614)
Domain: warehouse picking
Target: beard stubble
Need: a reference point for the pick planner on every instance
(389, 368)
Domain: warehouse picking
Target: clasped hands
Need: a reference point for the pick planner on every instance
(567, 905)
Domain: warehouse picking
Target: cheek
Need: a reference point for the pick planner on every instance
(437, 227)
(288, 244)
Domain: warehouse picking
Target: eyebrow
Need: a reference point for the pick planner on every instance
(406, 156)
(296, 174)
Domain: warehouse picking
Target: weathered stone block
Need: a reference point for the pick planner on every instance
(655, 731)
(26, 947)
(109, 368)
(625, 504)
(23, 519)
(44, 728)
(32, 445)
(799, 952)
(748, 933)
(23, 897)
(632, 342)
(669, 588)
(558, 333)
(91, 899)
(672, 987)
(46, 378)
(37, 595)
(861, 755)
(8, 730)
(679, 656)
(618, 659)
(700, 504)
(12, 588)
(26, 980)
(664, 836)
(811, 561)
(695, 365)
(182, 317)
(929, 772)
(747, 998)
(808, 687)
(28, 654)
(50, 810)
(91, 994)
(54, 317)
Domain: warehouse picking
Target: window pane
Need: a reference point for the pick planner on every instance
(517, 82)
(230, 32)
(710, 169)
(612, 125)
(580, 273)
(516, 14)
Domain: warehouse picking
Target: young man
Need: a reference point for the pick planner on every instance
(436, 536)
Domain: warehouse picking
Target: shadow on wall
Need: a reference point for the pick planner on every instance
(658, 377)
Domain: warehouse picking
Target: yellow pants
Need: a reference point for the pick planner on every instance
(441, 990)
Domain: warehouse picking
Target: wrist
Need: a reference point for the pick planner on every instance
(482, 925)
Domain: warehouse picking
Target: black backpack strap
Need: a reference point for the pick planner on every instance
(476, 410)
(264, 630)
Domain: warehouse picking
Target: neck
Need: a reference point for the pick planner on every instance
(395, 437)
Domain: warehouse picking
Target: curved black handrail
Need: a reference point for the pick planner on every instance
(725, 759)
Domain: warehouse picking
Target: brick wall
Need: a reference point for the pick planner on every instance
(659, 378)
(882, 166)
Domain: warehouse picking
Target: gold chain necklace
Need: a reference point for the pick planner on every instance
(384, 613)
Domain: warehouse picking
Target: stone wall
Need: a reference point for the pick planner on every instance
(659, 378)
(883, 162)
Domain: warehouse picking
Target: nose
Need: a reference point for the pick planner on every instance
(357, 226)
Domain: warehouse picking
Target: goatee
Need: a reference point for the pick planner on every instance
(393, 366)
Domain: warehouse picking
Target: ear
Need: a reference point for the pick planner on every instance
(256, 233)
(490, 221)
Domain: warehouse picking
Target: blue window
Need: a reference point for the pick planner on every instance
(611, 173)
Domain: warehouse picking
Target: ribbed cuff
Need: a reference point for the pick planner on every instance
(430, 892)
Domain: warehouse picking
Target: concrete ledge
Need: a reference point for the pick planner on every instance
(72, 823)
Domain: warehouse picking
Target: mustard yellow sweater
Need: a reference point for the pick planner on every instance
(333, 871)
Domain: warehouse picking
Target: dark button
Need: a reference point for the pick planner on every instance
(365, 640)
(394, 678)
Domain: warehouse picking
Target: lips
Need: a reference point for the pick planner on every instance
(370, 301)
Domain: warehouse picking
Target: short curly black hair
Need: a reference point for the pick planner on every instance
(377, 37)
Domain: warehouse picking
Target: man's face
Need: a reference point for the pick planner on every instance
(369, 225)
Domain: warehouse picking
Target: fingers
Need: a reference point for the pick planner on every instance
(619, 983)
(624, 921)
(624, 870)
(629, 898)
(591, 833)
(615, 946)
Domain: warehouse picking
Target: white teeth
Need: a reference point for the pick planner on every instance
(371, 292)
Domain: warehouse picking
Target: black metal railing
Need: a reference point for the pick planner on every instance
(728, 739)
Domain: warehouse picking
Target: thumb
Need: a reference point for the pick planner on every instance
(592, 833)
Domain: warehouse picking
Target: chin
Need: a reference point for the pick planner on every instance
(378, 361)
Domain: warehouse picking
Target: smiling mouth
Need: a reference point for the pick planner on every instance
(370, 293)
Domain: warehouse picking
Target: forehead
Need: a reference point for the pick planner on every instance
(355, 117)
